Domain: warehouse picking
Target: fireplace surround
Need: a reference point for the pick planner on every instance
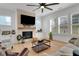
(27, 34)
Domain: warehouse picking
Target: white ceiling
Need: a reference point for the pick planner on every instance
(14, 6)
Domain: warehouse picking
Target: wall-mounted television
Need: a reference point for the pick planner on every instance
(27, 20)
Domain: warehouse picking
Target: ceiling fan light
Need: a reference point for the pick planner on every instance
(42, 7)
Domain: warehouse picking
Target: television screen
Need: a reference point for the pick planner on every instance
(27, 20)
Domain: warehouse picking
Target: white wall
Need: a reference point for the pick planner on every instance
(11, 38)
(39, 35)
(46, 26)
(65, 12)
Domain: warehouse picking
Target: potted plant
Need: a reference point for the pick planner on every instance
(50, 36)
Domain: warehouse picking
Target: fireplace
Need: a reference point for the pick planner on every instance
(27, 34)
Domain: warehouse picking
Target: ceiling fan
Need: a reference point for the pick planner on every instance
(43, 5)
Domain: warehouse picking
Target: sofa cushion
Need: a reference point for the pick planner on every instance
(77, 42)
(72, 40)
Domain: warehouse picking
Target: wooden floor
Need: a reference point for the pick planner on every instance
(55, 46)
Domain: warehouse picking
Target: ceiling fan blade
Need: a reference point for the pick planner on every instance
(48, 8)
(41, 4)
(42, 10)
(32, 5)
(36, 9)
(51, 4)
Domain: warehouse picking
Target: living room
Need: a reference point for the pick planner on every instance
(34, 36)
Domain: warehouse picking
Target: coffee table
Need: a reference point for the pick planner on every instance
(42, 45)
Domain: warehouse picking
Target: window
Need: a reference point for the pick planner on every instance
(75, 19)
(75, 24)
(64, 25)
(38, 24)
(5, 20)
(51, 23)
(53, 26)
